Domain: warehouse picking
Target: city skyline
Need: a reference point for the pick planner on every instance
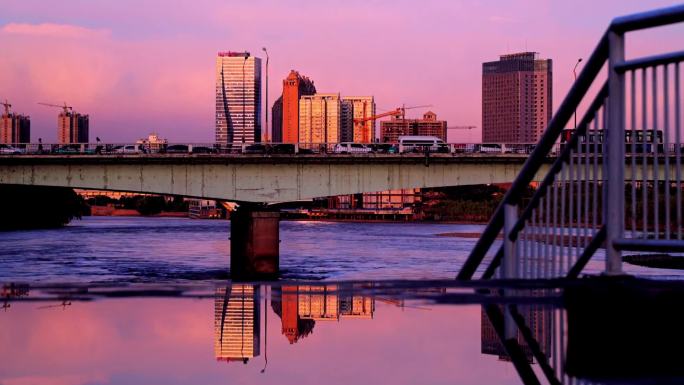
(117, 65)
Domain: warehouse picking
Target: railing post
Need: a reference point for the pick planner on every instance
(509, 268)
(614, 155)
(509, 265)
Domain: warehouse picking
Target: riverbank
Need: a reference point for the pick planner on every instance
(109, 211)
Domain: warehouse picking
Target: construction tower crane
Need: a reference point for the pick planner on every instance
(399, 111)
(65, 107)
(7, 106)
(461, 127)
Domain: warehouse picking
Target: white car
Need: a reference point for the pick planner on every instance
(127, 149)
(351, 148)
(6, 149)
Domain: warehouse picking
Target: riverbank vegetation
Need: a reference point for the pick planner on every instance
(38, 207)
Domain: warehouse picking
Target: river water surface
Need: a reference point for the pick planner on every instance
(149, 301)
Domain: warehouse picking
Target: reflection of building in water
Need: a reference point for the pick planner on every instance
(319, 303)
(537, 320)
(356, 306)
(236, 323)
(301, 306)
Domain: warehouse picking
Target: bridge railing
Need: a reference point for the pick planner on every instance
(145, 149)
(621, 165)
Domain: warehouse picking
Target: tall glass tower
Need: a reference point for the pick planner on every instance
(238, 98)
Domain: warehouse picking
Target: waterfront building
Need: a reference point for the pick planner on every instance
(392, 129)
(153, 143)
(319, 119)
(286, 108)
(516, 98)
(72, 127)
(361, 107)
(236, 323)
(14, 128)
(238, 98)
(203, 209)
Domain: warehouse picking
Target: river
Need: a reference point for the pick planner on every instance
(112, 300)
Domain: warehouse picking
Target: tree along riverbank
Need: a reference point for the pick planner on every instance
(38, 207)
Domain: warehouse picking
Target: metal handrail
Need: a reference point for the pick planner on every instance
(577, 92)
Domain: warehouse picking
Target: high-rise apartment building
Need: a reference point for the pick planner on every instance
(362, 107)
(294, 87)
(392, 129)
(14, 128)
(238, 98)
(72, 127)
(319, 118)
(516, 98)
(236, 323)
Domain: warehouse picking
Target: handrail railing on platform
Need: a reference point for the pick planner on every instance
(561, 223)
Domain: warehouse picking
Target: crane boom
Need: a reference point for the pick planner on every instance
(65, 107)
(397, 111)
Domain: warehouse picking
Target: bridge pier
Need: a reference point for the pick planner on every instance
(254, 243)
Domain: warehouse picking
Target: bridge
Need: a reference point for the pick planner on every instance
(259, 178)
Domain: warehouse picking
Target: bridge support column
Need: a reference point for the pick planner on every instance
(254, 243)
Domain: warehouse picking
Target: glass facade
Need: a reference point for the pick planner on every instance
(238, 98)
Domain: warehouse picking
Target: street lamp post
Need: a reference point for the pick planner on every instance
(574, 72)
(244, 97)
(268, 131)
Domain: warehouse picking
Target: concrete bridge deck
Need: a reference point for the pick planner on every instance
(259, 178)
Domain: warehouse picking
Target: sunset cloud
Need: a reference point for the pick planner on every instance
(53, 30)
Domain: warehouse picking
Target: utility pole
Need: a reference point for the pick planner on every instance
(244, 97)
(574, 72)
(269, 134)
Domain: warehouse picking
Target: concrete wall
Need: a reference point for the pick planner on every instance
(258, 178)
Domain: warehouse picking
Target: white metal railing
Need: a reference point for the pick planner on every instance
(622, 165)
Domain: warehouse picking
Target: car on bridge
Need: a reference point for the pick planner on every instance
(6, 149)
(421, 144)
(125, 149)
(177, 149)
(351, 148)
(73, 149)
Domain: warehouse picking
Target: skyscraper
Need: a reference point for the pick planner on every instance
(319, 118)
(238, 98)
(14, 128)
(72, 127)
(294, 87)
(362, 107)
(516, 98)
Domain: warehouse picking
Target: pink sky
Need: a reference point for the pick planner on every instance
(143, 67)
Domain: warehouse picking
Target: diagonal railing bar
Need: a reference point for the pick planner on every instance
(596, 242)
(496, 262)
